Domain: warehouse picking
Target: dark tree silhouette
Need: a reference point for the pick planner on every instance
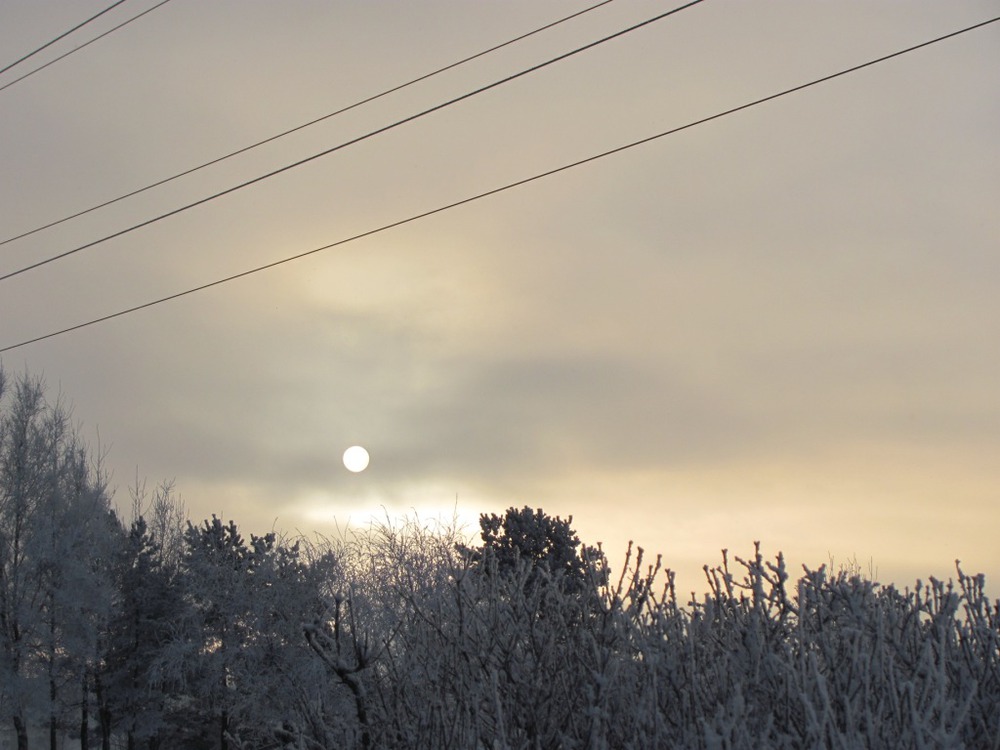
(530, 538)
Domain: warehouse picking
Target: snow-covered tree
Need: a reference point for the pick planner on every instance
(132, 697)
(56, 536)
(434, 653)
(531, 537)
(23, 458)
(243, 654)
(408, 637)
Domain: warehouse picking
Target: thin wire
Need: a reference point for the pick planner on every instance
(345, 144)
(304, 125)
(85, 44)
(61, 36)
(495, 191)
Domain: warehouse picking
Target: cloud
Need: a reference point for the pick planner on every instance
(748, 327)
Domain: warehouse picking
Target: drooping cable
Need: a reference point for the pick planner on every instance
(345, 144)
(304, 125)
(497, 190)
(63, 56)
(65, 34)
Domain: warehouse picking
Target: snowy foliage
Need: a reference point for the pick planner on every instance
(463, 657)
(545, 544)
(55, 551)
(162, 634)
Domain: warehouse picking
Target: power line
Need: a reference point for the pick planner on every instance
(85, 44)
(501, 189)
(351, 142)
(297, 128)
(65, 34)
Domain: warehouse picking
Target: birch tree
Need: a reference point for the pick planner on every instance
(55, 541)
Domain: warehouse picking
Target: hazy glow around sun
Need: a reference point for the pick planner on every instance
(356, 459)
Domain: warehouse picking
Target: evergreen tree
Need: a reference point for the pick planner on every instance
(249, 602)
(135, 696)
(532, 541)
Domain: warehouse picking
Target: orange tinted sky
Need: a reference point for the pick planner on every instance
(783, 325)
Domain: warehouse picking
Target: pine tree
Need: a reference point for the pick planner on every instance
(531, 539)
(149, 603)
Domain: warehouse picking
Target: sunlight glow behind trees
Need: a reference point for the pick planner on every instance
(157, 632)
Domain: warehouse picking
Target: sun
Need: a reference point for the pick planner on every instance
(356, 459)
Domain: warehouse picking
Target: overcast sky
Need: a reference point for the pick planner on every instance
(782, 325)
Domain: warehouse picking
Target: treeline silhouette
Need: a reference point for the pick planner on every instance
(153, 632)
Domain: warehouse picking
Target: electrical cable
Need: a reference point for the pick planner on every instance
(297, 128)
(495, 191)
(85, 44)
(346, 144)
(61, 36)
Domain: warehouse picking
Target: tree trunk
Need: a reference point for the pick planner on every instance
(224, 731)
(22, 732)
(103, 712)
(53, 688)
(85, 714)
(53, 731)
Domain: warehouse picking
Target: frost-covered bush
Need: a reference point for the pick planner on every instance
(464, 657)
